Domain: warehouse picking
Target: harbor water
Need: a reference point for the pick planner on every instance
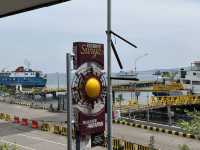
(59, 81)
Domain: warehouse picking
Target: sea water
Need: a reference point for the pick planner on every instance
(59, 80)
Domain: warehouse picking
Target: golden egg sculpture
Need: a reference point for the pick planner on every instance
(92, 87)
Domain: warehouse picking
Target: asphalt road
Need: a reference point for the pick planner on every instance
(162, 141)
(29, 139)
(36, 139)
(30, 113)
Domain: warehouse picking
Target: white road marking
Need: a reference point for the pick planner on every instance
(11, 143)
(40, 139)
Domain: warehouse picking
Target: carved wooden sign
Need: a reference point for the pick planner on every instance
(88, 53)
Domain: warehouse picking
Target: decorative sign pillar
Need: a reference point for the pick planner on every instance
(88, 93)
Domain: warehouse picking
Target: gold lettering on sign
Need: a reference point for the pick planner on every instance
(90, 51)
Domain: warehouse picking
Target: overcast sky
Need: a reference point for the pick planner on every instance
(168, 30)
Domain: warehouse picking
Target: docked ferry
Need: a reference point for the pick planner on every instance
(188, 77)
(22, 77)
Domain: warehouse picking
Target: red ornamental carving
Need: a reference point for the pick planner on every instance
(88, 53)
(90, 124)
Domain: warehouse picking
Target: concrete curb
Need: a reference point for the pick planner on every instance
(157, 129)
(23, 104)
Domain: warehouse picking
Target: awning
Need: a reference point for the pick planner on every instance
(12, 7)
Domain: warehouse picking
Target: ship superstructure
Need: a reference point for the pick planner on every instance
(22, 77)
(190, 79)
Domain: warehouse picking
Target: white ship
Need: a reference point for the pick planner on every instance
(190, 79)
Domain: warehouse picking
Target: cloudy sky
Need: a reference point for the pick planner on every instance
(169, 31)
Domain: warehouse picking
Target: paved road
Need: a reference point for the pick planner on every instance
(30, 113)
(162, 141)
(29, 139)
(136, 135)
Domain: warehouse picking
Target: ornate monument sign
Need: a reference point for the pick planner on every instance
(89, 91)
(91, 124)
(88, 53)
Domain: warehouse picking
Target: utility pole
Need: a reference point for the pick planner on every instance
(69, 102)
(109, 88)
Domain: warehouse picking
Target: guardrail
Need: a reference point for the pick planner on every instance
(174, 100)
(157, 102)
(167, 87)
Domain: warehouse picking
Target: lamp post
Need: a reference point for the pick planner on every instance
(137, 59)
(58, 80)
(135, 84)
(109, 86)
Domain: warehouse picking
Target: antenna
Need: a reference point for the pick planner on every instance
(27, 63)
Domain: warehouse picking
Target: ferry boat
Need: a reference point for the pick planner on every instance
(22, 78)
(190, 79)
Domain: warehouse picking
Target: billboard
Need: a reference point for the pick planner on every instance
(12, 7)
(88, 53)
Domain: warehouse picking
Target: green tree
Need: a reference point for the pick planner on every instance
(192, 126)
(183, 147)
(4, 147)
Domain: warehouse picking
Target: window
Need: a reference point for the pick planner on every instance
(196, 82)
(186, 81)
(194, 73)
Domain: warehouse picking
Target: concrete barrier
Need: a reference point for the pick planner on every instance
(16, 120)
(116, 144)
(35, 124)
(57, 129)
(2, 116)
(24, 122)
(7, 117)
(63, 131)
(45, 127)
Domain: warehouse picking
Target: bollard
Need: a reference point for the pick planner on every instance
(24, 122)
(7, 117)
(34, 124)
(151, 144)
(130, 146)
(57, 129)
(116, 144)
(45, 127)
(64, 131)
(16, 120)
(2, 116)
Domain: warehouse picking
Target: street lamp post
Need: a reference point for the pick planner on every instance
(137, 59)
(135, 63)
(58, 80)
(109, 86)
